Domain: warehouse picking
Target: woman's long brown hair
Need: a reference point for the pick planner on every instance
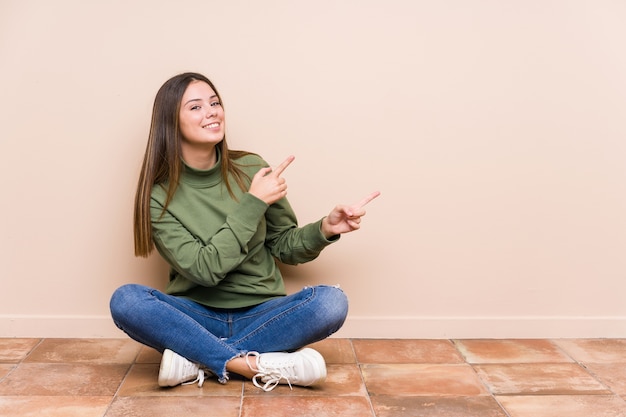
(162, 161)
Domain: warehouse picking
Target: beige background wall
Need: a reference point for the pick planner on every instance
(494, 129)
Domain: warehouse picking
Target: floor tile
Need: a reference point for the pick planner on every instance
(405, 351)
(142, 381)
(564, 406)
(14, 350)
(545, 379)
(595, 350)
(394, 406)
(335, 350)
(92, 351)
(44, 379)
(612, 375)
(175, 406)
(341, 380)
(272, 406)
(422, 379)
(511, 351)
(54, 406)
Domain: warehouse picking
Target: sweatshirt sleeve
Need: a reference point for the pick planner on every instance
(289, 243)
(207, 264)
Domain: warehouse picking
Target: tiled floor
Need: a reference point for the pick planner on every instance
(377, 378)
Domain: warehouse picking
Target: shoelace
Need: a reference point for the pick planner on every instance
(271, 377)
(199, 379)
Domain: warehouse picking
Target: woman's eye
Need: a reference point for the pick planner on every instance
(215, 103)
(195, 107)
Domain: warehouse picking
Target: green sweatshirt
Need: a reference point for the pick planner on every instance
(222, 251)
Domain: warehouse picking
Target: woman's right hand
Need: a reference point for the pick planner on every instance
(268, 185)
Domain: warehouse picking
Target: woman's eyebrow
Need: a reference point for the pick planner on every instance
(199, 99)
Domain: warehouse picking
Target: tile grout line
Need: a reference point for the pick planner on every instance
(33, 349)
(119, 387)
(583, 366)
(21, 361)
(491, 393)
(358, 364)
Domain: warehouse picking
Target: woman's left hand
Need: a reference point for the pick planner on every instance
(344, 219)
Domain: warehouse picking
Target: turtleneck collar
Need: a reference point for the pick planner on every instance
(201, 178)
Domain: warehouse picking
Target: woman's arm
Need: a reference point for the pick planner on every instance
(208, 263)
(289, 243)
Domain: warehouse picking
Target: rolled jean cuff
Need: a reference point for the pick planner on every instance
(225, 376)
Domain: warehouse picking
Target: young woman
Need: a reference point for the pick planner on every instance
(220, 219)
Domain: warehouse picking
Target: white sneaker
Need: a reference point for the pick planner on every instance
(176, 370)
(305, 368)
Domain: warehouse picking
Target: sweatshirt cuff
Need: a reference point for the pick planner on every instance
(313, 233)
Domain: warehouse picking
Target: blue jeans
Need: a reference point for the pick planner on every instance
(212, 337)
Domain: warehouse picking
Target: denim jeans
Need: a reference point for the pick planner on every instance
(212, 337)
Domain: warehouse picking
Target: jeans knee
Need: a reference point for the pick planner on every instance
(123, 299)
(335, 304)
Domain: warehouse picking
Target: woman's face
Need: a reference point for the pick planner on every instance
(201, 117)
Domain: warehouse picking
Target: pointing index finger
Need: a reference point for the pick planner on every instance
(368, 198)
(280, 168)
